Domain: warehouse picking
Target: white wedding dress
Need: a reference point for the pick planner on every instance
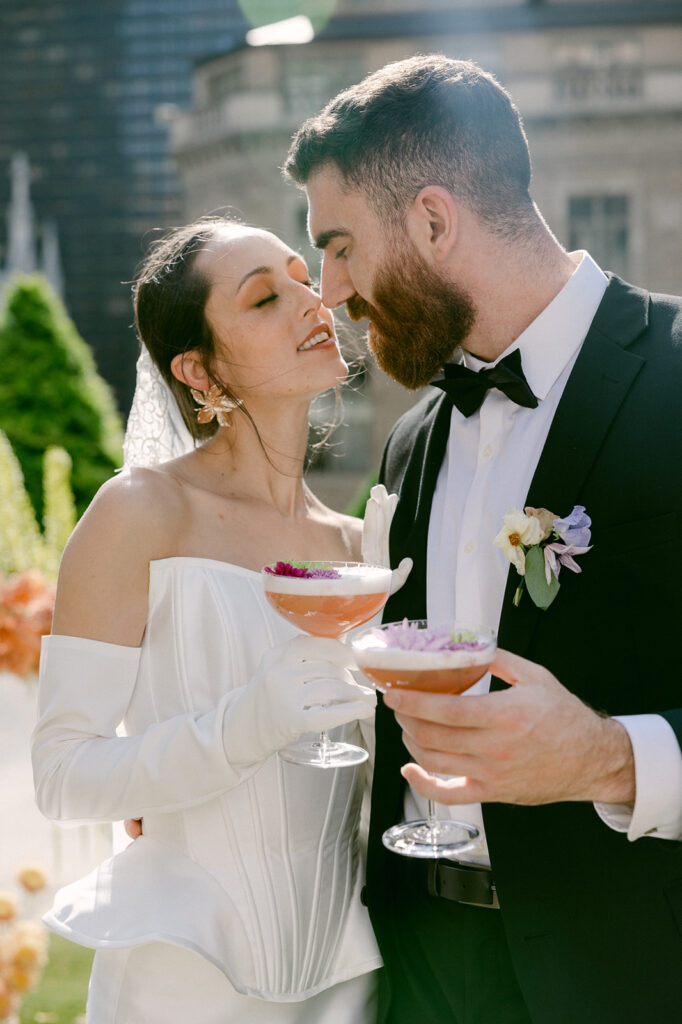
(242, 897)
(240, 904)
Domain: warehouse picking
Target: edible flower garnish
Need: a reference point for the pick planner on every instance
(407, 636)
(303, 570)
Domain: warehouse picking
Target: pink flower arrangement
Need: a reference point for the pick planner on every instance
(26, 606)
(303, 570)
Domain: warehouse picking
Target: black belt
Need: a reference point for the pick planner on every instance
(463, 883)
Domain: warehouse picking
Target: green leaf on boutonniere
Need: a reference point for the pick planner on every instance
(541, 592)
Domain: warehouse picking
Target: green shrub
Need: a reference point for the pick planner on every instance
(51, 393)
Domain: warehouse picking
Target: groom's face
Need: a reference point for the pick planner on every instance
(418, 319)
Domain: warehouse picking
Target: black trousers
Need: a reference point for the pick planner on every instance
(444, 962)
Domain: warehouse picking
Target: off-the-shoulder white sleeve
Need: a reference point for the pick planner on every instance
(83, 771)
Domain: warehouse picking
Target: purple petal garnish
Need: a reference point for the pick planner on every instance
(408, 637)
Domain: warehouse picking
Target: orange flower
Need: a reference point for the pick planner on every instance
(7, 1001)
(26, 604)
(19, 980)
(33, 877)
(9, 906)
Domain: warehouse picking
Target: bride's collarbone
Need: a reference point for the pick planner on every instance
(242, 530)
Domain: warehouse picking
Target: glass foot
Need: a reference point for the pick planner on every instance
(324, 755)
(430, 839)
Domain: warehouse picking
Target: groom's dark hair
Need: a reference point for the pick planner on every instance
(428, 120)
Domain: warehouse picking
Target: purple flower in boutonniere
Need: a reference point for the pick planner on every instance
(538, 544)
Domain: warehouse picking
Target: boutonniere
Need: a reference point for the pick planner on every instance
(538, 544)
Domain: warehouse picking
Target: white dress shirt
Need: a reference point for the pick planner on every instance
(489, 463)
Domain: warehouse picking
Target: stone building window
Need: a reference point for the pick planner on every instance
(601, 224)
(599, 70)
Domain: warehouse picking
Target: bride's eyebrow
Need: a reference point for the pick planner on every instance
(252, 273)
(265, 270)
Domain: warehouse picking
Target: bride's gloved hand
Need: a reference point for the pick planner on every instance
(378, 516)
(300, 686)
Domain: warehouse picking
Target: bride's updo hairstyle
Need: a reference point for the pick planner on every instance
(169, 298)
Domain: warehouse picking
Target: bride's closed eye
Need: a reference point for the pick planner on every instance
(264, 302)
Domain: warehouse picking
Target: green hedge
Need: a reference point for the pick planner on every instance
(51, 393)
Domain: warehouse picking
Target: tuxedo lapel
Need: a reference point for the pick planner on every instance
(601, 378)
(410, 526)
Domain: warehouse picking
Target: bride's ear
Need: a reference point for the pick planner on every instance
(188, 368)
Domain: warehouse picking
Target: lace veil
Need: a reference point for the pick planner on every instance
(156, 430)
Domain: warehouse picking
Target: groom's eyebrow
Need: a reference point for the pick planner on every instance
(323, 240)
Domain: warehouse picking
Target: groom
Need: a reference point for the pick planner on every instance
(570, 908)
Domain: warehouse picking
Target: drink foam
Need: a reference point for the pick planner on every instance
(369, 651)
(360, 579)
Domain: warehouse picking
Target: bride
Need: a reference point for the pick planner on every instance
(241, 900)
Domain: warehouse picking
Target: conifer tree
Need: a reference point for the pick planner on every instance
(51, 393)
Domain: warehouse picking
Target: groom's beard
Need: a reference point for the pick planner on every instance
(419, 321)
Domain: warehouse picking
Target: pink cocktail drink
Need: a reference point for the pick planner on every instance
(433, 680)
(415, 656)
(326, 599)
(410, 656)
(330, 606)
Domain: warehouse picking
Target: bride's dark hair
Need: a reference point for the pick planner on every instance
(169, 299)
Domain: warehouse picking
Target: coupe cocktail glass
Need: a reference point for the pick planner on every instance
(332, 599)
(411, 655)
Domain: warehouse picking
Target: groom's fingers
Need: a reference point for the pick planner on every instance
(442, 708)
(460, 790)
(512, 668)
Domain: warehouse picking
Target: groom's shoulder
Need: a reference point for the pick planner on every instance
(654, 318)
(665, 320)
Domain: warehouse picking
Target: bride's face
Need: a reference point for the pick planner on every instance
(273, 337)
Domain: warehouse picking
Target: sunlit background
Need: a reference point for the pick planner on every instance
(118, 117)
(126, 115)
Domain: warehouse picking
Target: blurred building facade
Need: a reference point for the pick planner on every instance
(87, 88)
(599, 86)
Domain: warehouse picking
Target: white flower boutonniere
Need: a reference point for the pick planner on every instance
(538, 544)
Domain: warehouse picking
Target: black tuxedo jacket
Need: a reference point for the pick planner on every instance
(594, 922)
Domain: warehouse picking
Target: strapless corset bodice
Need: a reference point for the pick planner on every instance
(262, 878)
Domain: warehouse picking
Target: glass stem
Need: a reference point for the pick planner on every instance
(432, 823)
(325, 743)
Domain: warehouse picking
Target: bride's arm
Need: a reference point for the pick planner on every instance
(82, 769)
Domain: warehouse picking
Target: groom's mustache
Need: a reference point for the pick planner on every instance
(358, 309)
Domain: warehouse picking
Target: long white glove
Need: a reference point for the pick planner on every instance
(378, 516)
(295, 691)
(83, 771)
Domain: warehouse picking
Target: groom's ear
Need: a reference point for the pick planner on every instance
(188, 368)
(433, 222)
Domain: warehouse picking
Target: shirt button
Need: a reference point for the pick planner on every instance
(469, 548)
(487, 451)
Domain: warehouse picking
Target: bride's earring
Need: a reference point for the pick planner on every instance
(214, 404)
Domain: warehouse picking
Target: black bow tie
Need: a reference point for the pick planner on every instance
(466, 389)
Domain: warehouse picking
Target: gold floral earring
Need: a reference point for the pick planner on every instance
(214, 404)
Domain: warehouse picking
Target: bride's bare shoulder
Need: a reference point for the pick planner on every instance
(138, 508)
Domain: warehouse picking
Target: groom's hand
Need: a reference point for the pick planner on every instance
(533, 743)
